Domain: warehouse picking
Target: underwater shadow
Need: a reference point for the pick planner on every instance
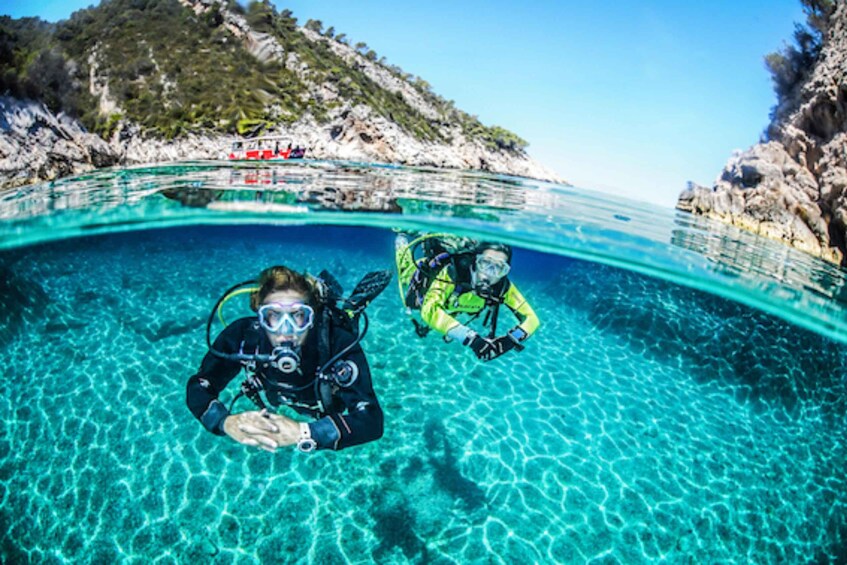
(716, 339)
(415, 500)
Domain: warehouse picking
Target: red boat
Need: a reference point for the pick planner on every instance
(265, 148)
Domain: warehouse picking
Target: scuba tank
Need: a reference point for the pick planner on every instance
(436, 252)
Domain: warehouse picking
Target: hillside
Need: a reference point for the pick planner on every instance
(159, 80)
(791, 187)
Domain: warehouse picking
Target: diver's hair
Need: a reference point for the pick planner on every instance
(277, 278)
(502, 247)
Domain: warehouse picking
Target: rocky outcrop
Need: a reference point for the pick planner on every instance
(792, 188)
(36, 145)
(261, 45)
(377, 73)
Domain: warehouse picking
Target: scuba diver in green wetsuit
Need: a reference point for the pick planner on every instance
(458, 276)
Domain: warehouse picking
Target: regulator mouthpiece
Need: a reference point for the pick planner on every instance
(482, 288)
(285, 358)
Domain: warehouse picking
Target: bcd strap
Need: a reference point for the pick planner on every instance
(495, 310)
(492, 305)
(323, 336)
(252, 336)
(422, 279)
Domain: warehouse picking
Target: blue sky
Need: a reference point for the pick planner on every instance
(633, 97)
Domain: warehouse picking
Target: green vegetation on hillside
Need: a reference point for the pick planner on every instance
(31, 66)
(173, 71)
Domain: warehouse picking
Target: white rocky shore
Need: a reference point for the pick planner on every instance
(36, 145)
(355, 134)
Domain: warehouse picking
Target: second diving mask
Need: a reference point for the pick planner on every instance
(291, 318)
(490, 269)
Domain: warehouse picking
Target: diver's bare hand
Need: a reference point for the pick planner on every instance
(255, 428)
(288, 430)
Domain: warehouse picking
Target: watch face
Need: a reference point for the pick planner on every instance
(307, 445)
(519, 334)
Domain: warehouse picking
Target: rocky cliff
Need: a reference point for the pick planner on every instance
(36, 144)
(792, 187)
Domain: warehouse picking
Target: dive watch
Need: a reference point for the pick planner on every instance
(306, 444)
(517, 334)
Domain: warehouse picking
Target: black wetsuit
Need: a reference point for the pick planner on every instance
(353, 416)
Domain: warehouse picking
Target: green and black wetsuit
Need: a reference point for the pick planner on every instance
(450, 295)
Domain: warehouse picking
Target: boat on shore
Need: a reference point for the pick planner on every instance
(265, 149)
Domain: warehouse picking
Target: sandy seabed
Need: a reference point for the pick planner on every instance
(644, 422)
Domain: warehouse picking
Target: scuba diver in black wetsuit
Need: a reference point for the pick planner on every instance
(302, 351)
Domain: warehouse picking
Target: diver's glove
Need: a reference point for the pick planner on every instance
(499, 346)
(505, 343)
(481, 346)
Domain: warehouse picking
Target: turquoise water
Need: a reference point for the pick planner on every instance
(685, 400)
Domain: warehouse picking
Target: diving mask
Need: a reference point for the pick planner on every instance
(490, 268)
(291, 318)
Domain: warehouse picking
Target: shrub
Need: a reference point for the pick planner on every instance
(792, 65)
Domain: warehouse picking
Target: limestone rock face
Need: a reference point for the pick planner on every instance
(36, 145)
(792, 188)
